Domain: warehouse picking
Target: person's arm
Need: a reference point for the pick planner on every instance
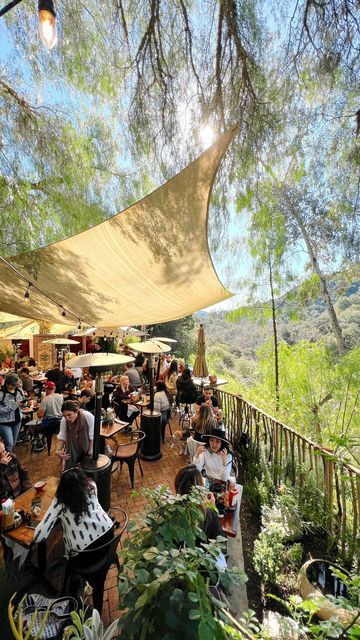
(199, 458)
(90, 420)
(44, 527)
(226, 459)
(60, 450)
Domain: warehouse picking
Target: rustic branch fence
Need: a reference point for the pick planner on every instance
(292, 455)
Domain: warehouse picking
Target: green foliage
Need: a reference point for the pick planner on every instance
(165, 576)
(183, 331)
(304, 612)
(91, 628)
(269, 553)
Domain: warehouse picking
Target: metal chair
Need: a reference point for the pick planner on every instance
(129, 452)
(47, 431)
(93, 564)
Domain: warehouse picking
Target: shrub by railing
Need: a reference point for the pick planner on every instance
(292, 456)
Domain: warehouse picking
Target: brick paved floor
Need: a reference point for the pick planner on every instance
(162, 471)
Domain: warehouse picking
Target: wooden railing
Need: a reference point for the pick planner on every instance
(293, 457)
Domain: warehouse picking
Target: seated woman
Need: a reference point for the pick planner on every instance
(161, 401)
(203, 422)
(187, 478)
(187, 392)
(76, 434)
(84, 522)
(124, 410)
(170, 378)
(13, 477)
(213, 458)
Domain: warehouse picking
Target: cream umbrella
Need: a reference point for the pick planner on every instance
(151, 347)
(167, 341)
(61, 341)
(200, 369)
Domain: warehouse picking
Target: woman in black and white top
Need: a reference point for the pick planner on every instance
(84, 522)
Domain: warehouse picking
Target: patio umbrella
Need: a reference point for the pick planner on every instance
(61, 342)
(167, 341)
(101, 362)
(151, 347)
(200, 369)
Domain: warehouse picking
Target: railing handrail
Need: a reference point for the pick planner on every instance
(291, 456)
(316, 446)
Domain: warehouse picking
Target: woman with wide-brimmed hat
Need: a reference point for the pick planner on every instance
(214, 457)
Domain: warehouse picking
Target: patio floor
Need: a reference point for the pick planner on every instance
(162, 471)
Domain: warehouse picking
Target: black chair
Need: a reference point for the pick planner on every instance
(48, 431)
(129, 452)
(93, 564)
(166, 423)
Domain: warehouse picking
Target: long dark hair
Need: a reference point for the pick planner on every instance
(186, 375)
(73, 492)
(70, 405)
(187, 478)
(161, 386)
(172, 369)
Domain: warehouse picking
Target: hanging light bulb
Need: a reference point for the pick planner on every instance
(47, 25)
(27, 294)
(79, 325)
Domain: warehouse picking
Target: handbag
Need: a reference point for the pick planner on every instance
(35, 606)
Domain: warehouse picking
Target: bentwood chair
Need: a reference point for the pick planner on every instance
(93, 564)
(129, 452)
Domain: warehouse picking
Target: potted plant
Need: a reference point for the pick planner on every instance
(167, 570)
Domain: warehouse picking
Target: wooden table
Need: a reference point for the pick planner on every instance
(24, 535)
(231, 520)
(109, 432)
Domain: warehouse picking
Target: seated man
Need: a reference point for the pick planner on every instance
(207, 397)
(68, 380)
(86, 400)
(27, 381)
(50, 414)
(133, 375)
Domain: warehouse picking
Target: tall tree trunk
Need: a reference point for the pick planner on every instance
(323, 284)
(276, 350)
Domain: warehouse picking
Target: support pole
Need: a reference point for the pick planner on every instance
(151, 381)
(99, 388)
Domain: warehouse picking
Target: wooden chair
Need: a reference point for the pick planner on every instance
(129, 452)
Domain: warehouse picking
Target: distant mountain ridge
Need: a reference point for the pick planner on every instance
(243, 338)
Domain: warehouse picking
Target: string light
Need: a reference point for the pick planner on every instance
(79, 325)
(27, 293)
(65, 312)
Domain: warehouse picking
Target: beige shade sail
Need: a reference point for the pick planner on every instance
(200, 369)
(148, 264)
(29, 328)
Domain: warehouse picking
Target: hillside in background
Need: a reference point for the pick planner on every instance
(244, 338)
